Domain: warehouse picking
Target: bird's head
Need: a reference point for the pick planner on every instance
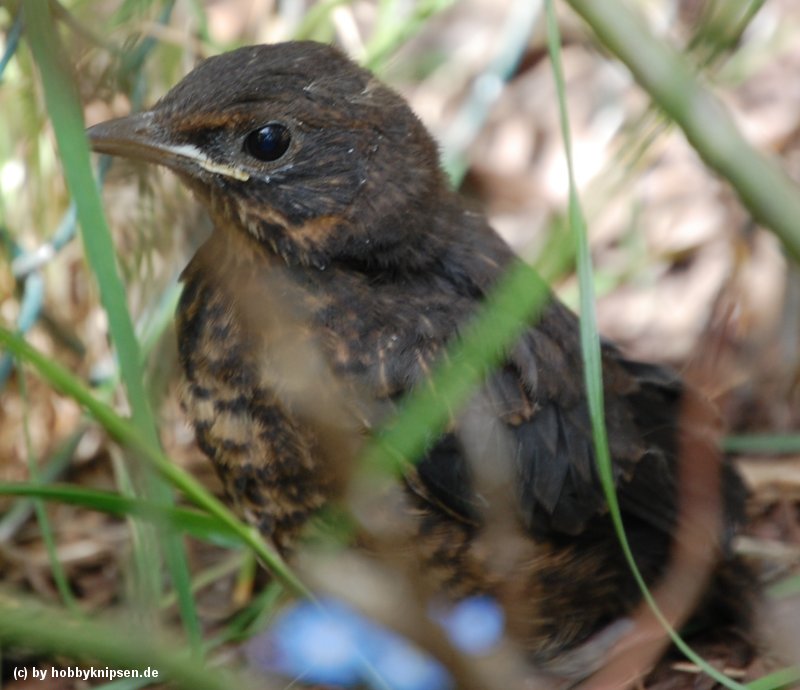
(296, 145)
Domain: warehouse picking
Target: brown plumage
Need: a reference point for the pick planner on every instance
(340, 269)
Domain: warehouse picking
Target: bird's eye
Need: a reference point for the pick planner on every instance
(268, 143)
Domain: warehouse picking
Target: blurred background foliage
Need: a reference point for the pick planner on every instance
(680, 267)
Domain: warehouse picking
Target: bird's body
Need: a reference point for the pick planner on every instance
(340, 270)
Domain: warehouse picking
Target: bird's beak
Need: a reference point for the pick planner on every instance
(142, 137)
(134, 136)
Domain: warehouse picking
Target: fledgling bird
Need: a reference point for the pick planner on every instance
(340, 269)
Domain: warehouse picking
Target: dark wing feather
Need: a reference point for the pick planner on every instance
(538, 396)
(445, 480)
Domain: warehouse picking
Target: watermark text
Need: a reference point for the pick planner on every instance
(82, 673)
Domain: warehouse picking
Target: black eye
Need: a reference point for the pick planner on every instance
(269, 142)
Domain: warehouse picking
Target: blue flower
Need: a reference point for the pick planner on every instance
(474, 625)
(329, 643)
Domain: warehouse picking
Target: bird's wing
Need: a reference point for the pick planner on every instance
(537, 397)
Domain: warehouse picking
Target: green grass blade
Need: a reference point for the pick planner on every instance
(252, 617)
(513, 305)
(785, 678)
(45, 526)
(214, 573)
(763, 187)
(199, 525)
(390, 33)
(316, 20)
(52, 468)
(67, 120)
(779, 444)
(788, 587)
(23, 622)
(592, 362)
